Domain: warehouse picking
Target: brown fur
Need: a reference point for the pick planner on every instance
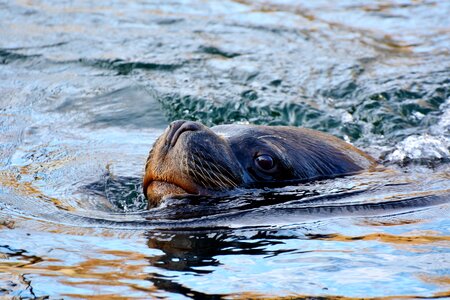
(192, 158)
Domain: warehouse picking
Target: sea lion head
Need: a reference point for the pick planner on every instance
(190, 158)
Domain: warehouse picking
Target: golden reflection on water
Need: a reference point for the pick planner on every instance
(118, 268)
(256, 296)
(124, 265)
(440, 280)
(26, 188)
(391, 238)
(381, 41)
(394, 222)
(6, 223)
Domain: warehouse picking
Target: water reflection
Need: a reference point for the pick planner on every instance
(316, 258)
(192, 251)
(199, 253)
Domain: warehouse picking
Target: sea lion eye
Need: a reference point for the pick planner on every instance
(265, 162)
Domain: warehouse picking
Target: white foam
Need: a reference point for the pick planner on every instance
(443, 126)
(421, 147)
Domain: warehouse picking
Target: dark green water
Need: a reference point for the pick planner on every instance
(86, 88)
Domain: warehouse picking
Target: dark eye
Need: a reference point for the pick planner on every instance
(265, 162)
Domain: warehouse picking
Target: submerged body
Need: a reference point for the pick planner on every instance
(190, 158)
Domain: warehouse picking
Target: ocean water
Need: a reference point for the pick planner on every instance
(87, 87)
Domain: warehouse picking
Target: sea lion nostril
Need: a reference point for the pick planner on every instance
(173, 127)
(177, 128)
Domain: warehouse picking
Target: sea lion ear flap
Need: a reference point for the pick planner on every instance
(296, 154)
(325, 161)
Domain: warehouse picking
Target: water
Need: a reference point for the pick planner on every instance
(87, 87)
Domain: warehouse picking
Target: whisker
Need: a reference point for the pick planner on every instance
(222, 184)
(224, 178)
(200, 169)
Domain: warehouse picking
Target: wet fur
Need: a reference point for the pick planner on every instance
(203, 160)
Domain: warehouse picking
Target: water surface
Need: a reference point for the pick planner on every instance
(86, 88)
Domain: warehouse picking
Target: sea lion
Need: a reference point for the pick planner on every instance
(190, 158)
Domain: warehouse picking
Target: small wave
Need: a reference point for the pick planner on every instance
(365, 195)
(126, 67)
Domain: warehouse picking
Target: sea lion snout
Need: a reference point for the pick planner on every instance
(189, 158)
